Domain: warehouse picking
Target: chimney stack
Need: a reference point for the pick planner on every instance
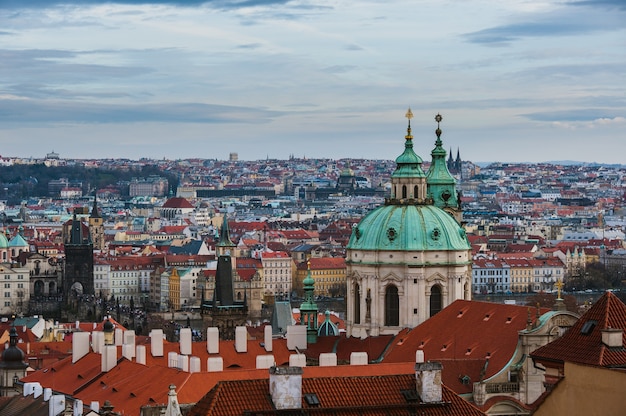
(613, 337)
(428, 379)
(286, 387)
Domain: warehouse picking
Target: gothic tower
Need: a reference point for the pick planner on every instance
(96, 226)
(78, 273)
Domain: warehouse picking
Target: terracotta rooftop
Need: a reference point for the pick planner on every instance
(361, 391)
(582, 343)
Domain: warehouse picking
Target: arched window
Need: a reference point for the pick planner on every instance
(357, 304)
(38, 288)
(52, 288)
(415, 192)
(403, 191)
(392, 306)
(435, 299)
(466, 291)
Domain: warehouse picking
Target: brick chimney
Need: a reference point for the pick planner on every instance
(286, 387)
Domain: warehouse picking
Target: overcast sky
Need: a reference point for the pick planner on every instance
(515, 80)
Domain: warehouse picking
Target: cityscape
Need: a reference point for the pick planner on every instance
(148, 287)
(217, 208)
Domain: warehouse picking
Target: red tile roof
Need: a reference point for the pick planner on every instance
(473, 330)
(177, 202)
(587, 348)
(368, 393)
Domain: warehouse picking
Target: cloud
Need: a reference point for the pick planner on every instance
(221, 4)
(577, 115)
(603, 4)
(58, 111)
(564, 21)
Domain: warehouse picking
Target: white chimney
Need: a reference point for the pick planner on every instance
(297, 360)
(358, 358)
(328, 359)
(47, 393)
(213, 340)
(613, 337)
(183, 363)
(33, 388)
(128, 352)
(286, 387)
(156, 342)
(428, 379)
(214, 364)
(109, 358)
(264, 361)
(94, 326)
(78, 408)
(56, 405)
(267, 339)
(97, 341)
(185, 341)
(141, 354)
(77, 324)
(129, 338)
(172, 359)
(296, 337)
(119, 336)
(241, 339)
(194, 365)
(80, 345)
(95, 406)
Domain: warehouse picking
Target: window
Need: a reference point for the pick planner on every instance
(435, 299)
(7, 285)
(7, 294)
(392, 306)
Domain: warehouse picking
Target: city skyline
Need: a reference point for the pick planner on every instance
(519, 81)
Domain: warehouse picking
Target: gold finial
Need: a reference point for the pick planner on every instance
(409, 115)
(559, 286)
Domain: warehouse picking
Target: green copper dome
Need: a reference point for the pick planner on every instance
(4, 243)
(408, 228)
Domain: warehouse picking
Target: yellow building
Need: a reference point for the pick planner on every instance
(174, 290)
(329, 274)
(521, 273)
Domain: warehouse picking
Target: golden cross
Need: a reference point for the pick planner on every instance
(559, 286)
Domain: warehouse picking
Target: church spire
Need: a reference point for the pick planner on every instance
(225, 240)
(441, 184)
(94, 209)
(308, 308)
(408, 181)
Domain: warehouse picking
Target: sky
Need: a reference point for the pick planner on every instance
(514, 80)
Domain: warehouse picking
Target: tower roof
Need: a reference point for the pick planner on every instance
(408, 164)
(225, 240)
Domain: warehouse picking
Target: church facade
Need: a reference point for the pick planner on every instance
(409, 258)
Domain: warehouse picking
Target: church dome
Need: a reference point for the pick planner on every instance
(4, 243)
(13, 357)
(408, 228)
(327, 328)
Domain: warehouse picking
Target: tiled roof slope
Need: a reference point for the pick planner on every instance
(338, 395)
(577, 347)
(466, 330)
